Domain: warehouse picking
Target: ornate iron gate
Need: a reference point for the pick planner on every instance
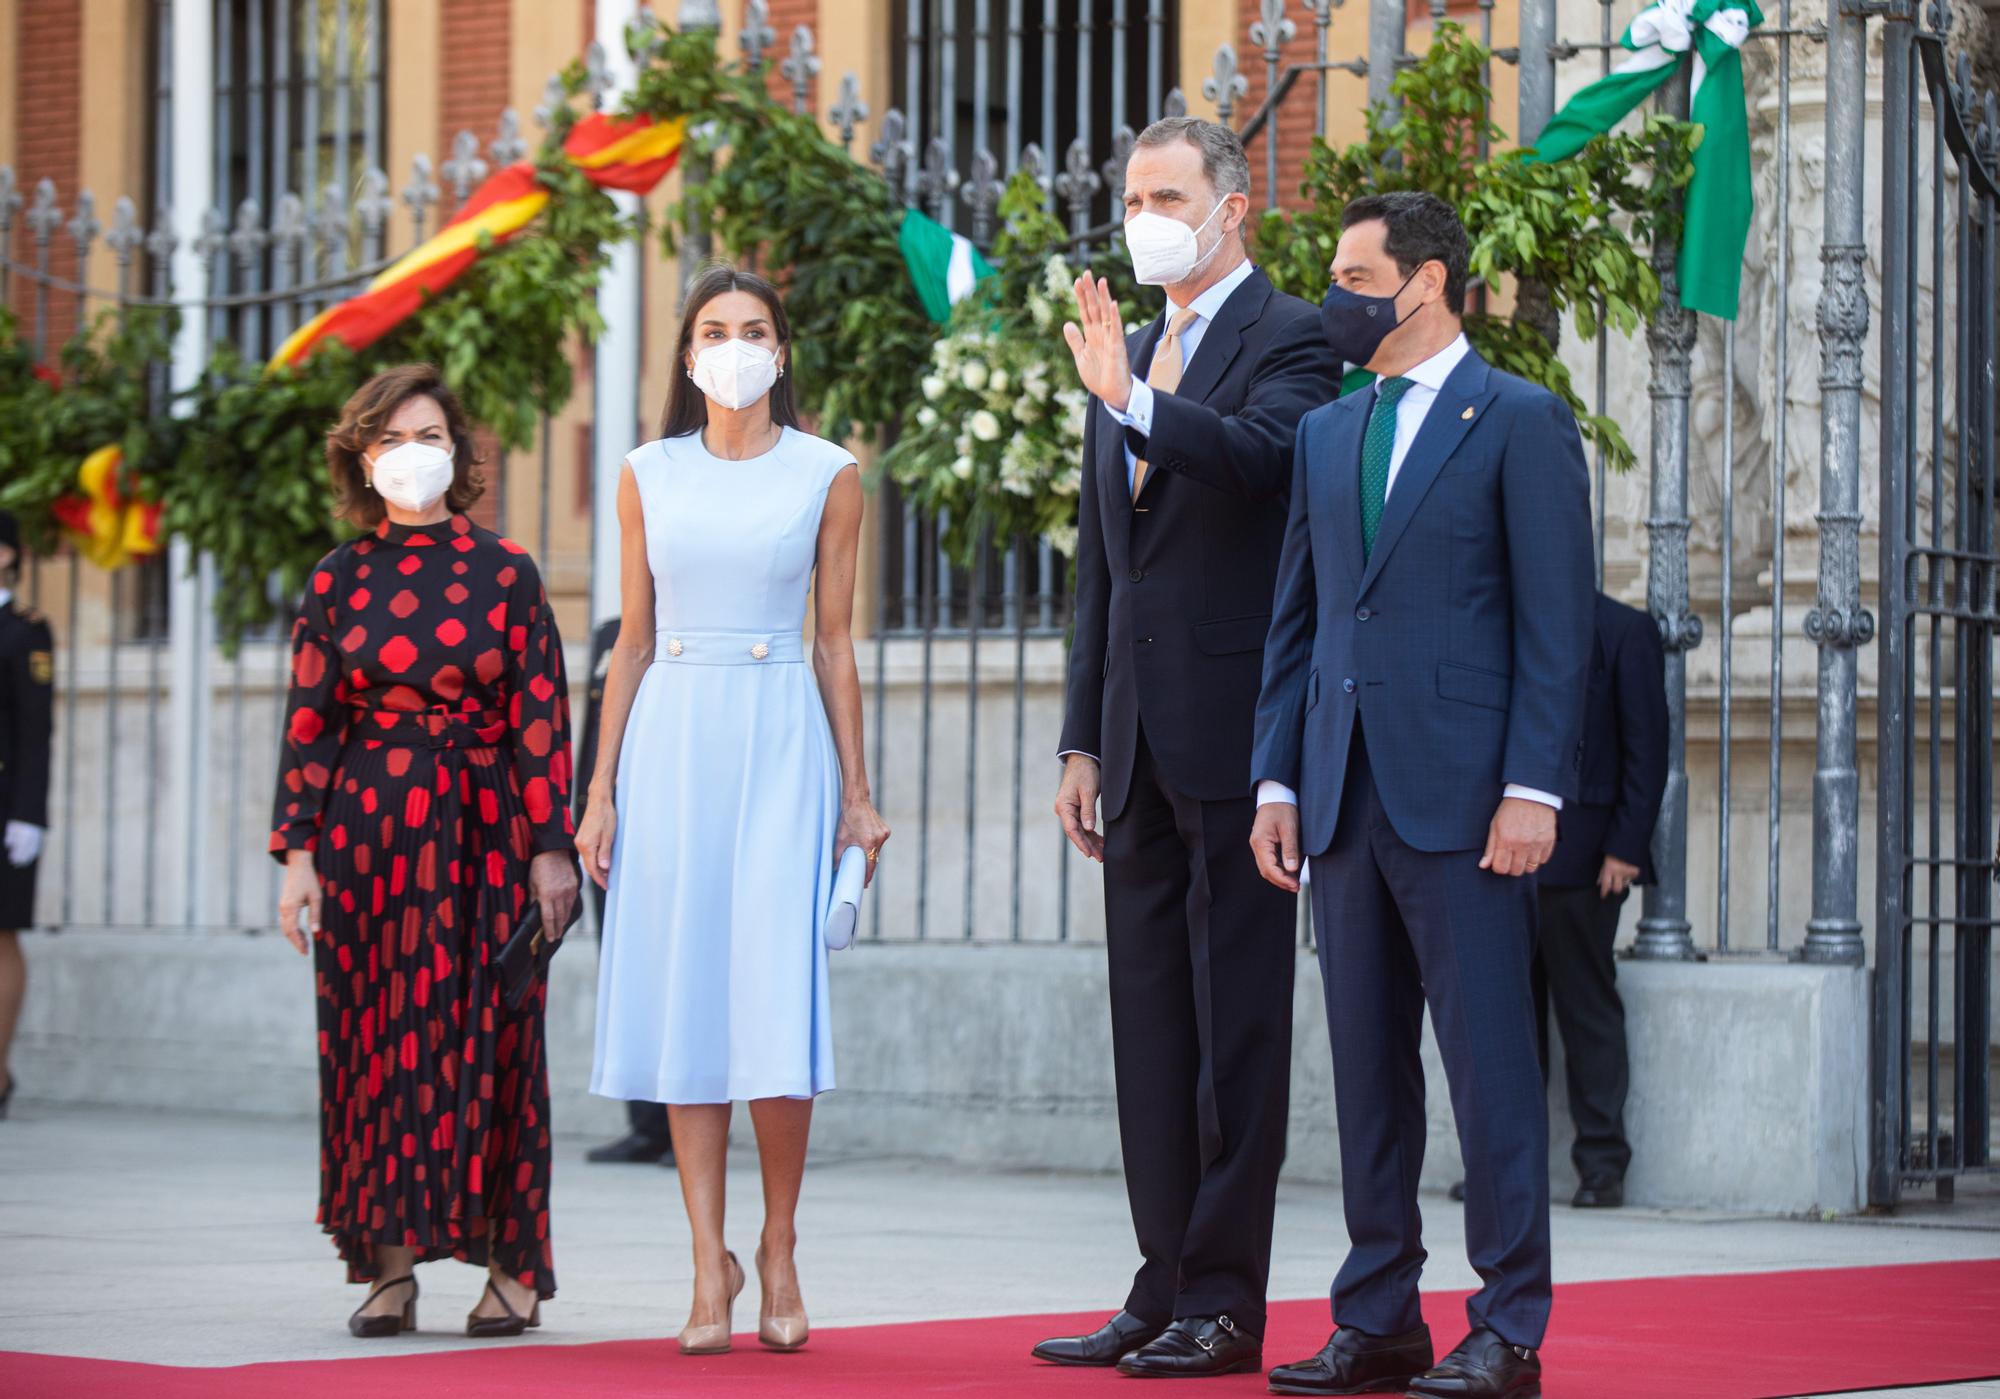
(1932, 1104)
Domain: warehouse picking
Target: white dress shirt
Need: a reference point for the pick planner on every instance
(1425, 381)
(1138, 414)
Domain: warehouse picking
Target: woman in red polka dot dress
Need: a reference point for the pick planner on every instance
(423, 801)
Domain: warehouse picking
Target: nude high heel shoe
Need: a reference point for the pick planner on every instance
(776, 1332)
(713, 1339)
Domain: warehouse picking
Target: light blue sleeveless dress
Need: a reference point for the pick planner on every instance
(712, 985)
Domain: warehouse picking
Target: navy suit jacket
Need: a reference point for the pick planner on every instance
(1173, 592)
(1624, 753)
(1462, 642)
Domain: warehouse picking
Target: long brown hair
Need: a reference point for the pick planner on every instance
(363, 419)
(687, 406)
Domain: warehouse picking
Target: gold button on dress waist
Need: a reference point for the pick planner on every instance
(760, 650)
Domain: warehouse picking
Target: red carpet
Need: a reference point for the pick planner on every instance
(1746, 1336)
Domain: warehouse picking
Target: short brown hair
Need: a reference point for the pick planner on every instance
(362, 420)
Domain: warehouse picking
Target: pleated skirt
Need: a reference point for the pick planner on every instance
(713, 984)
(434, 1096)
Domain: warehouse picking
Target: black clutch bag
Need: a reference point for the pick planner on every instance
(525, 959)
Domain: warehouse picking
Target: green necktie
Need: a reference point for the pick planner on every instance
(1376, 450)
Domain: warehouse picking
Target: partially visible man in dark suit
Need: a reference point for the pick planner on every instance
(27, 721)
(1186, 459)
(1603, 848)
(1417, 733)
(650, 1140)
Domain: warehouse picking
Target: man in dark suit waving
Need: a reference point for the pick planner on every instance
(1417, 734)
(1186, 460)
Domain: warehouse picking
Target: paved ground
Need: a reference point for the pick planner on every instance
(196, 1235)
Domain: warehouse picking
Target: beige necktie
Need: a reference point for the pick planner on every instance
(1164, 376)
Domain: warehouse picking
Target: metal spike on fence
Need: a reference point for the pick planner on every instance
(647, 37)
(849, 111)
(597, 79)
(508, 147)
(1273, 29)
(1122, 142)
(85, 226)
(420, 193)
(757, 36)
(213, 239)
(373, 203)
(465, 169)
(892, 152)
(555, 96)
(1227, 85)
(1034, 163)
(938, 178)
(1078, 184)
(10, 197)
(160, 245)
(124, 240)
(1175, 105)
(982, 191)
(288, 233)
(330, 225)
(44, 216)
(247, 238)
(800, 68)
(125, 236)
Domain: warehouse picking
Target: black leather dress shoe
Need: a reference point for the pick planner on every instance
(1354, 1362)
(1605, 1194)
(632, 1147)
(1196, 1347)
(1482, 1367)
(1107, 1345)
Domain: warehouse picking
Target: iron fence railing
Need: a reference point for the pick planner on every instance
(1940, 569)
(1747, 530)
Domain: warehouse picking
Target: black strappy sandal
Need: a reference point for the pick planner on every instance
(369, 1328)
(512, 1324)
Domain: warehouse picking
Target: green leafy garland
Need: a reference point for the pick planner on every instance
(1572, 231)
(985, 415)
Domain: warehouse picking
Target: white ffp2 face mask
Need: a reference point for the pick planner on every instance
(413, 476)
(735, 373)
(1164, 250)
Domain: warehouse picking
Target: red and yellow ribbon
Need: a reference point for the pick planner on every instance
(109, 529)
(624, 153)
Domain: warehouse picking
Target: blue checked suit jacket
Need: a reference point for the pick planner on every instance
(1462, 642)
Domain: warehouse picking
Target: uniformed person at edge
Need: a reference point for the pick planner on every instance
(27, 695)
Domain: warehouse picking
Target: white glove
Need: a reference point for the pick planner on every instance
(24, 843)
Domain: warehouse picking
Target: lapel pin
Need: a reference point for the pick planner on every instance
(1467, 415)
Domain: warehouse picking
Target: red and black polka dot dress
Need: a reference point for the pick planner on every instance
(426, 761)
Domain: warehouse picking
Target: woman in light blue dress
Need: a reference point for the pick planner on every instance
(729, 779)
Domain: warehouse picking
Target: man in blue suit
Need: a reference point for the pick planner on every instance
(1417, 733)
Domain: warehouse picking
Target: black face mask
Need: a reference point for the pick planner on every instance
(1356, 325)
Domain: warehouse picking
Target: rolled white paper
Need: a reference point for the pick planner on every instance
(844, 911)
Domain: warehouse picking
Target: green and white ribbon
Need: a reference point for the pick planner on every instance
(944, 266)
(1719, 199)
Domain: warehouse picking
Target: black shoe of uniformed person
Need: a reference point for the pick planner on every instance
(1482, 1367)
(1195, 1347)
(1600, 1193)
(1354, 1362)
(1107, 1345)
(634, 1147)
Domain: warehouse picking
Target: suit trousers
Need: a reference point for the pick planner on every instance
(1400, 928)
(1202, 953)
(1578, 973)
